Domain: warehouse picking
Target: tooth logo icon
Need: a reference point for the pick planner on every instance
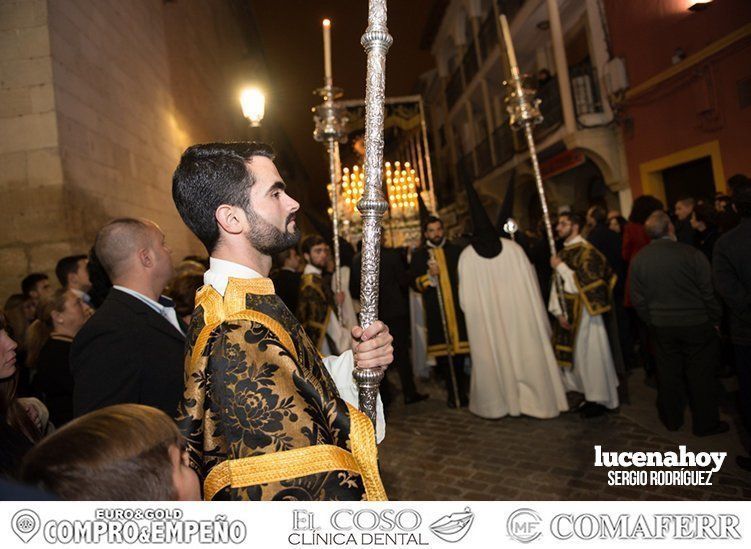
(453, 527)
(25, 524)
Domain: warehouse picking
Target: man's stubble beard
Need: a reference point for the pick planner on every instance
(266, 238)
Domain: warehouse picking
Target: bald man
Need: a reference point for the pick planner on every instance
(131, 350)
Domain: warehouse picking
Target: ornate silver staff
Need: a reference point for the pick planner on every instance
(330, 120)
(446, 335)
(524, 110)
(372, 205)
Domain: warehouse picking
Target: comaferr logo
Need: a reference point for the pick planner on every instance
(453, 527)
(589, 526)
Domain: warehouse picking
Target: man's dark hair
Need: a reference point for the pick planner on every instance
(706, 214)
(210, 175)
(311, 241)
(281, 258)
(575, 218)
(599, 214)
(67, 266)
(430, 220)
(742, 199)
(737, 180)
(29, 283)
(643, 208)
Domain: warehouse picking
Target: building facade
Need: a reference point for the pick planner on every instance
(563, 45)
(686, 113)
(97, 102)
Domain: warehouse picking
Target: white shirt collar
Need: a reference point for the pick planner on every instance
(158, 307)
(578, 239)
(221, 270)
(310, 268)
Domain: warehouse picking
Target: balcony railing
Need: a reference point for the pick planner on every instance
(484, 158)
(469, 63)
(454, 88)
(488, 36)
(585, 90)
(550, 108)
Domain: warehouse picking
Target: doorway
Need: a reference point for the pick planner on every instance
(689, 180)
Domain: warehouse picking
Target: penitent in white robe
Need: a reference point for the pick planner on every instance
(514, 370)
(593, 373)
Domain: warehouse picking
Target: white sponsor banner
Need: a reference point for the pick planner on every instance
(391, 524)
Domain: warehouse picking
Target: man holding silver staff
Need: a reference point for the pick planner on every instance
(433, 269)
(264, 415)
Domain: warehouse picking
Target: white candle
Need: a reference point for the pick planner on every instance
(509, 44)
(327, 49)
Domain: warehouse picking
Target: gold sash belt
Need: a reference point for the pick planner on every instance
(300, 462)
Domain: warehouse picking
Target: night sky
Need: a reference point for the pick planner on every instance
(293, 46)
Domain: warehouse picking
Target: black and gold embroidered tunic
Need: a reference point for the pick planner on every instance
(447, 257)
(314, 308)
(262, 417)
(594, 281)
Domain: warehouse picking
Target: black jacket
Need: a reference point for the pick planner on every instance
(127, 353)
(53, 382)
(671, 285)
(393, 283)
(609, 244)
(732, 272)
(287, 287)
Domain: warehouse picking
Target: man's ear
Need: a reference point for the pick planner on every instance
(230, 219)
(144, 256)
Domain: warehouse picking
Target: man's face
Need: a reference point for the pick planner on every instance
(293, 261)
(590, 218)
(683, 210)
(42, 290)
(80, 279)
(318, 256)
(565, 228)
(434, 232)
(271, 213)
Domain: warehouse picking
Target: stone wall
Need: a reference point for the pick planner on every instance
(99, 98)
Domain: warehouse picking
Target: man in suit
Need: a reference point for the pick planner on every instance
(393, 309)
(671, 289)
(131, 350)
(287, 278)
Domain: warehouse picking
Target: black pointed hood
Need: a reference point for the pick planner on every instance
(485, 239)
(423, 209)
(507, 208)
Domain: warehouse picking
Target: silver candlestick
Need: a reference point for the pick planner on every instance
(330, 129)
(524, 111)
(372, 205)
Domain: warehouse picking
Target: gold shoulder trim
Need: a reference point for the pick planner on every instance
(301, 462)
(217, 310)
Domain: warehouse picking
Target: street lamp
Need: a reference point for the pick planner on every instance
(253, 103)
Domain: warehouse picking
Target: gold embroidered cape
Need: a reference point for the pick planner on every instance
(262, 417)
(594, 280)
(447, 257)
(314, 308)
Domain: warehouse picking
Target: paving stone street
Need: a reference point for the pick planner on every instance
(432, 452)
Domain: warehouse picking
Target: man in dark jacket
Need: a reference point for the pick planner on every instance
(131, 350)
(671, 289)
(732, 272)
(393, 309)
(434, 269)
(287, 277)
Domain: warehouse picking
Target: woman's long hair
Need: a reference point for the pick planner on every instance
(11, 412)
(643, 207)
(40, 330)
(15, 318)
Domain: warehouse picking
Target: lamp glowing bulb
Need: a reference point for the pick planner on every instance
(253, 103)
